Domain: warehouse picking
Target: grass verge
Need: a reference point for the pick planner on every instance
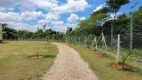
(16, 62)
(101, 65)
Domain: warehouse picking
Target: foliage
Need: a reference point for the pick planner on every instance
(125, 57)
(10, 33)
(137, 21)
(122, 24)
(115, 5)
(100, 14)
(121, 27)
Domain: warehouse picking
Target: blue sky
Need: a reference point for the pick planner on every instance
(56, 14)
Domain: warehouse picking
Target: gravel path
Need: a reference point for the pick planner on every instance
(69, 66)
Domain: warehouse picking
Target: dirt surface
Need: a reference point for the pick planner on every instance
(69, 66)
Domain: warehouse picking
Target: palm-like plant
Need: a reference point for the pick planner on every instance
(125, 57)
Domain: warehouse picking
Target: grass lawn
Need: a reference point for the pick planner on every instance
(101, 65)
(16, 63)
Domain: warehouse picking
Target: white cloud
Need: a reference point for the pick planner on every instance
(57, 23)
(56, 8)
(26, 5)
(31, 15)
(24, 26)
(18, 17)
(28, 13)
(42, 21)
(73, 18)
(51, 16)
(61, 26)
(82, 18)
(10, 16)
(99, 7)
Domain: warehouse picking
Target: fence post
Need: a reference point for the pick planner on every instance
(131, 34)
(118, 48)
(74, 40)
(104, 40)
(66, 39)
(85, 42)
(79, 40)
(96, 43)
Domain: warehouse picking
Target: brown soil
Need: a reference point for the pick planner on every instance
(102, 55)
(120, 67)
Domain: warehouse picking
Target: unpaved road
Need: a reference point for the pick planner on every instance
(69, 66)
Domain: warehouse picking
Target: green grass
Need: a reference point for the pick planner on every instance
(101, 65)
(16, 64)
(137, 52)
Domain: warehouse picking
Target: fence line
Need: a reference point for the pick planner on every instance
(120, 45)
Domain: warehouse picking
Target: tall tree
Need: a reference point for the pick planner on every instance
(99, 17)
(69, 30)
(137, 21)
(114, 6)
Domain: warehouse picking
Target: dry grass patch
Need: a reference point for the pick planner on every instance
(15, 63)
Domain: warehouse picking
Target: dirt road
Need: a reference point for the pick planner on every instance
(69, 66)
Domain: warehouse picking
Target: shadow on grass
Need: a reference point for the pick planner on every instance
(4, 42)
(43, 56)
(49, 56)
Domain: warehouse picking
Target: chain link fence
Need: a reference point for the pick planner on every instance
(112, 48)
(124, 43)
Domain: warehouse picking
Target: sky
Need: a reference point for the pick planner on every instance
(56, 14)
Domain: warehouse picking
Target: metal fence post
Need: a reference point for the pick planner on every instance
(66, 39)
(85, 42)
(131, 35)
(79, 40)
(96, 43)
(118, 48)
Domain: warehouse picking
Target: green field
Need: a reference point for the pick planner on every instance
(101, 65)
(16, 63)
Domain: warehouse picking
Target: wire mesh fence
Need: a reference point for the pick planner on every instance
(112, 47)
(124, 42)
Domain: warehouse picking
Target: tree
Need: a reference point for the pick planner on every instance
(100, 14)
(69, 29)
(137, 21)
(99, 17)
(9, 33)
(121, 27)
(114, 6)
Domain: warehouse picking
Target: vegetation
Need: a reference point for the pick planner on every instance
(17, 60)
(102, 65)
(125, 57)
(101, 21)
(12, 34)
